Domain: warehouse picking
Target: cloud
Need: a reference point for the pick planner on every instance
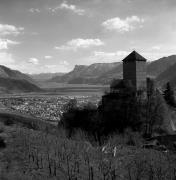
(155, 55)
(56, 68)
(61, 63)
(34, 61)
(31, 68)
(100, 56)
(6, 29)
(123, 25)
(62, 66)
(70, 7)
(156, 48)
(5, 43)
(48, 57)
(118, 56)
(110, 54)
(81, 43)
(6, 58)
(65, 63)
(34, 10)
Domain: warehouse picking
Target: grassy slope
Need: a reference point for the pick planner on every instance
(40, 154)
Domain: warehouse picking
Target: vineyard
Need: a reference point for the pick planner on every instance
(33, 154)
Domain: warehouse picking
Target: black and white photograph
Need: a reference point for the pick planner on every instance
(87, 89)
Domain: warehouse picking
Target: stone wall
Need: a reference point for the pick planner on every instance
(129, 72)
(141, 75)
(136, 72)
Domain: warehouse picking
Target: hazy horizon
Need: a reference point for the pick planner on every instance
(42, 36)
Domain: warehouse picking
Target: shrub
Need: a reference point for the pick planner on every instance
(120, 109)
(2, 143)
(129, 138)
(9, 121)
(1, 128)
(75, 118)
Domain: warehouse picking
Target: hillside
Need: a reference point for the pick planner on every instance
(159, 66)
(31, 148)
(103, 73)
(77, 71)
(9, 85)
(86, 74)
(167, 76)
(6, 72)
(44, 76)
(15, 81)
(114, 73)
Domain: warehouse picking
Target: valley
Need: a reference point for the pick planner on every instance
(47, 108)
(92, 79)
(34, 146)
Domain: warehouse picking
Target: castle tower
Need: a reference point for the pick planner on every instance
(134, 70)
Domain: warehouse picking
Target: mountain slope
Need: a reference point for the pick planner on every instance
(44, 76)
(6, 72)
(15, 81)
(159, 66)
(73, 74)
(85, 74)
(167, 76)
(8, 85)
(114, 73)
(103, 73)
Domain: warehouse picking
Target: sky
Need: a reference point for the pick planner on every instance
(40, 36)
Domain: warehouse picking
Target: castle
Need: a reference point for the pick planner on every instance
(134, 70)
(134, 74)
(134, 78)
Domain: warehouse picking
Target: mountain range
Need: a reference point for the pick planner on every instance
(82, 74)
(44, 76)
(162, 70)
(103, 73)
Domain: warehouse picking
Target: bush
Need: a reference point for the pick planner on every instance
(2, 143)
(9, 121)
(75, 118)
(1, 128)
(120, 109)
(129, 138)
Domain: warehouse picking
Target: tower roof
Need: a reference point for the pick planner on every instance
(134, 56)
